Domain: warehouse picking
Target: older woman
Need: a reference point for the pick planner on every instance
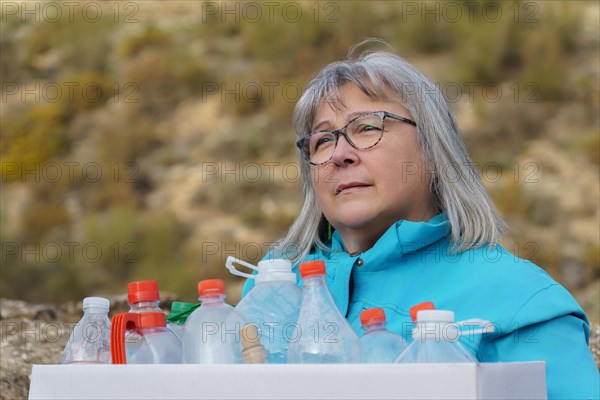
(396, 210)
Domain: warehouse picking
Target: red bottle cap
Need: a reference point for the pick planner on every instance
(311, 268)
(427, 305)
(142, 291)
(211, 286)
(372, 315)
(152, 320)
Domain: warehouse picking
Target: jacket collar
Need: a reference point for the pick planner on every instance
(401, 239)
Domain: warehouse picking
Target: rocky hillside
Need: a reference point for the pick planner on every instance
(180, 151)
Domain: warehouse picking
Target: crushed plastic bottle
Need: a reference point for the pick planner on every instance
(211, 335)
(322, 334)
(435, 338)
(89, 342)
(273, 304)
(378, 345)
(141, 335)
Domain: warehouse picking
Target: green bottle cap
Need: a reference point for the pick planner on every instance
(180, 311)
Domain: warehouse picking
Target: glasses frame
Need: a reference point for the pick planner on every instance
(300, 143)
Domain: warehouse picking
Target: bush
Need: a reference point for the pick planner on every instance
(150, 37)
(90, 89)
(31, 137)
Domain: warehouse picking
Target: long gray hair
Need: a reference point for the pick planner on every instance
(455, 186)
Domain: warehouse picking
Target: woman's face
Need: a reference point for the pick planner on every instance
(363, 192)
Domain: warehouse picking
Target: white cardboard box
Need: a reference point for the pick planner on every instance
(526, 380)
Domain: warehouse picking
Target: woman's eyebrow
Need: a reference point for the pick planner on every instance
(349, 118)
(320, 124)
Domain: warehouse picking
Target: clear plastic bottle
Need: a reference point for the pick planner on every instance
(180, 312)
(322, 334)
(149, 342)
(143, 296)
(273, 304)
(90, 340)
(156, 344)
(435, 339)
(211, 335)
(378, 345)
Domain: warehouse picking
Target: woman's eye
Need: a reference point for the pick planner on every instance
(368, 128)
(322, 141)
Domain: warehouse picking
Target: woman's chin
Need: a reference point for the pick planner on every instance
(354, 221)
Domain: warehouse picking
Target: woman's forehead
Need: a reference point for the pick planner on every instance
(349, 101)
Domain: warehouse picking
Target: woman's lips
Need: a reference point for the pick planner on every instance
(351, 186)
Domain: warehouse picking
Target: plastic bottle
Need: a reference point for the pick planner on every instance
(180, 312)
(143, 296)
(435, 339)
(155, 343)
(143, 330)
(378, 345)
(211, 335)
(273, 304)
(90, 340)
(322, 334)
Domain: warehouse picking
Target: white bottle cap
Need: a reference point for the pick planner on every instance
(275, 270)
(435, 325)
(100, 302)
(435, 316)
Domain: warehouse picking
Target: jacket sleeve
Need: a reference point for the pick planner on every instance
(550, 327)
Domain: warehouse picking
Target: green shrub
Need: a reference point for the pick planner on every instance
(90, 89)
(150, 37)
(117, 233)
(31, 137)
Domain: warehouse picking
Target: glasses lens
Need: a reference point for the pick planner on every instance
(366, 131)
(321, 146)
(363, 132)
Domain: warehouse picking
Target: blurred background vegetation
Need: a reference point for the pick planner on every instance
(150, 140)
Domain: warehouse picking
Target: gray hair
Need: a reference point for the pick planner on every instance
(455, 186)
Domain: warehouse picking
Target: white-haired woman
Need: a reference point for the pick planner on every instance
(394, 207)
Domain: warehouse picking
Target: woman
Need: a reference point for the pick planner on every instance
(396, 210)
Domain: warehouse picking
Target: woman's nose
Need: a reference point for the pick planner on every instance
(344, 153)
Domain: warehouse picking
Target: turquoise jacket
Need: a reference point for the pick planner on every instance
(534, 317)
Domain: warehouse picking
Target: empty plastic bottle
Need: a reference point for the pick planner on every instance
(155, 343)
(141, 335)
(435, 338)
(322, 335)
(180, 311)
(143, 296)
(211, 335)
(378, 345)
(90, 340)
(273, 304)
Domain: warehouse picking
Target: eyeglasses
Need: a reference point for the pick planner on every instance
(363, 132)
